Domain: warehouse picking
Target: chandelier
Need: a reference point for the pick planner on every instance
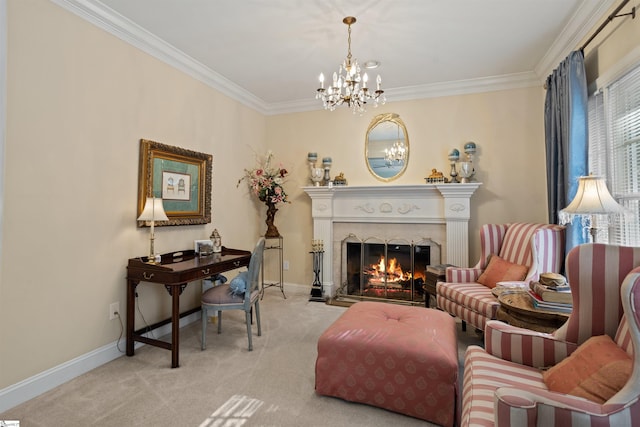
(348, 86)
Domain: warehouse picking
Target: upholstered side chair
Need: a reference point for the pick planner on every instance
(537, 247)
(226, 297)
(504, 383)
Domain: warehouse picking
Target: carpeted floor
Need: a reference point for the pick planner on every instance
(225, 385)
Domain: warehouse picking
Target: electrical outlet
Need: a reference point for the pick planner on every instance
(113, 309)
(285, 265)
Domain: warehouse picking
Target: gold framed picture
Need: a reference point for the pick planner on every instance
(181, 177)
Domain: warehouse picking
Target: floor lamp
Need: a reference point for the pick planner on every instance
(153, 211)
(592, 199)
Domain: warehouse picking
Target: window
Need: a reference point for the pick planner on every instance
(614, 150)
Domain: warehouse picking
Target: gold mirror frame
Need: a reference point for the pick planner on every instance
(385, 134)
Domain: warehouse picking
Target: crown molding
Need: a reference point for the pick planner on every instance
(112, 22)
(433, 90)
(580, 24)
(109, 20)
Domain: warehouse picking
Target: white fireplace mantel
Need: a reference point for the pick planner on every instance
(447, 204)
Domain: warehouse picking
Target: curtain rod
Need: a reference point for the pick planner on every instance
(611, 17)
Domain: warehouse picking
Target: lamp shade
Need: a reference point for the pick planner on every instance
(153, 211)
(593, 198)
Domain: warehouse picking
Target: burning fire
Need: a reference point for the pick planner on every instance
(379, 272)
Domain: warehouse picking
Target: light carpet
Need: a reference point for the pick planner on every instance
(225, 385)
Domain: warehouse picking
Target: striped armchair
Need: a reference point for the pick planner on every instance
(540, 247)
(503, 384)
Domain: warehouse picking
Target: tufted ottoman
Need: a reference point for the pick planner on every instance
(396, 357)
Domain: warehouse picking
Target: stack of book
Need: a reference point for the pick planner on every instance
(438, 269)
(551, 298)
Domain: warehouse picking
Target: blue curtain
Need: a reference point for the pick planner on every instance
(566, 134)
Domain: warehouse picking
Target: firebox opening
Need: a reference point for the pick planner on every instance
(386, 270)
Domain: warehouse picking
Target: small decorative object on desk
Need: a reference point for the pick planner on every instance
(265, 182)
(217, 241)
(203, 247)
(340, 179)
(436, 177)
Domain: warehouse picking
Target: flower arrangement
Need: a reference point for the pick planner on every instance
(265, 181)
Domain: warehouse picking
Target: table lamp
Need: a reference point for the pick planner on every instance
(153, 211)
(592, 198)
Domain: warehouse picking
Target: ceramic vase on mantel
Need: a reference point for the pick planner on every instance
(272, 230)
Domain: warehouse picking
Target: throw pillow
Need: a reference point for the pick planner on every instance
(597, 370)
(499, 270)
(239, 283)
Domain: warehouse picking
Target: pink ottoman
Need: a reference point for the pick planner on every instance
(396, 357)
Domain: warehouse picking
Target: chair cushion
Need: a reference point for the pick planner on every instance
(239, 283)
(597, 370)
(500, 270)
(221, 295)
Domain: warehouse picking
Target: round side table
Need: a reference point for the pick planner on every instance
(517, 309)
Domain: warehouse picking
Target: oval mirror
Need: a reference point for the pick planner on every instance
(387, 147)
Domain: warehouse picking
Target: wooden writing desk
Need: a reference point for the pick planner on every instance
(175, 271)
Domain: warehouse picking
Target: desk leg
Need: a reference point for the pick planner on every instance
(175, 323)
(131, 303)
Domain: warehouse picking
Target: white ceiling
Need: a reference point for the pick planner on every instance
(268, 53)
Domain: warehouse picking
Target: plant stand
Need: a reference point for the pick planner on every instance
(278, 246)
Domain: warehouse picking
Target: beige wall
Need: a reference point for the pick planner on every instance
(80, 99)
(507, 127)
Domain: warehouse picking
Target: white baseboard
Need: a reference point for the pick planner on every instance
(36, 385)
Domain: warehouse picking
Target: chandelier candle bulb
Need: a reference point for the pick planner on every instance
(321, 81)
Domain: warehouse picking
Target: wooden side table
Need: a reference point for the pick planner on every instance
(429, 287)
(517, 309)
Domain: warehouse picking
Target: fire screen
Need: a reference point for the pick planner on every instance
(386, 269)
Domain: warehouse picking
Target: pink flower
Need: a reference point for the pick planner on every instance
(265, 181)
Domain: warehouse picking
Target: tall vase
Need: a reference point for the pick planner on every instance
(272, 230)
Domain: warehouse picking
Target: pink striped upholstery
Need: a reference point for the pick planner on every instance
(594, 273)
(538, 246)
(502, 384)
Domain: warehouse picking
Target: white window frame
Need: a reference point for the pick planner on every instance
(614, 150)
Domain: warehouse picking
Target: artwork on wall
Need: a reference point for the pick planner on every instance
(181, 177)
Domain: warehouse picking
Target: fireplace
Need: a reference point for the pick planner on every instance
(389, 270)
(394, 213)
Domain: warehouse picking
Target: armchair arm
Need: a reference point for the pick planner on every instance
(524, 346)
(528, 406)
(462, 275)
